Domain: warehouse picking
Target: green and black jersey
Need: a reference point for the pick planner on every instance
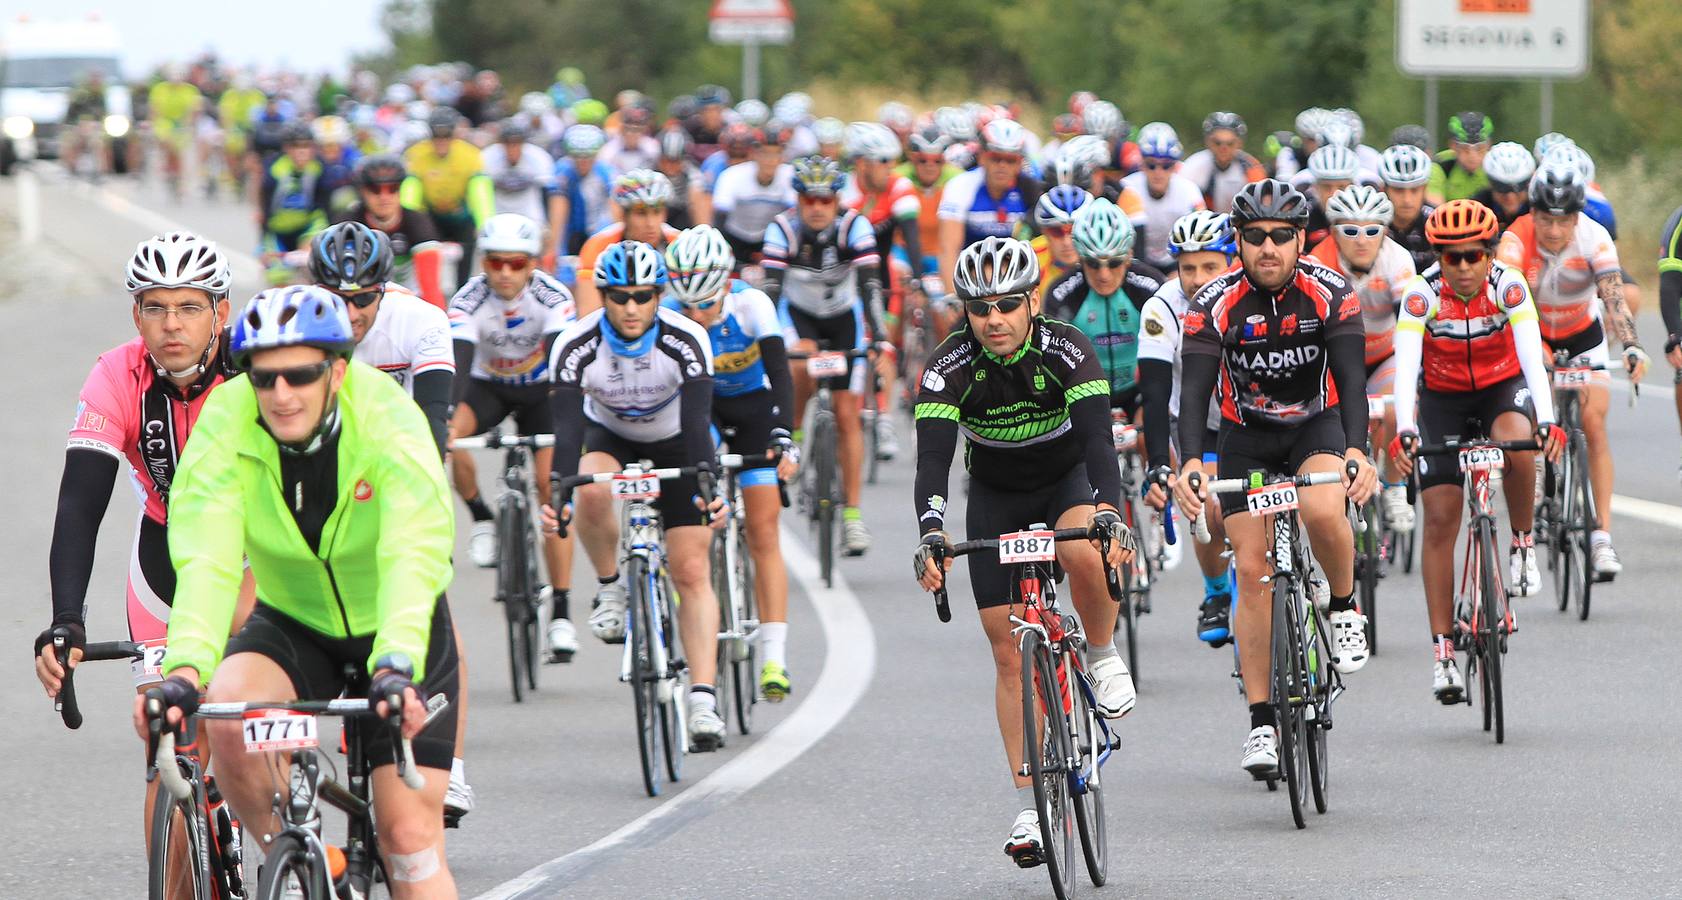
(1670, 273)
(1027, 420)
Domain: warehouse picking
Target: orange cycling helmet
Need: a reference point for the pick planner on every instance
(1461, 222)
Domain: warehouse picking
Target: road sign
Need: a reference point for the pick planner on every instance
(751, 22)
(1493, 38)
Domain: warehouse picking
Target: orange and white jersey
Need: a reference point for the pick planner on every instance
(1563, 283)
(1381, 290)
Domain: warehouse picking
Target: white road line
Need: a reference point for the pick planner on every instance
(849, 665)
(246, 267)
(1647, 511)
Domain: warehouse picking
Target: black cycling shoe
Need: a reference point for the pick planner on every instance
(1214, 621)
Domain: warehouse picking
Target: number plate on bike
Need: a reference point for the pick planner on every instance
(635, 487)
(1274, 498)
(1375, 407)
(1571, 378)
(1126, 436)
(826, 365)
(1482, 459)
(276, 729)
(152, 659)
(1027, 546)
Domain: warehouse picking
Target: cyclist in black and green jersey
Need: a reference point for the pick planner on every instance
(1670, 297)
(1032, 403)
(1104, 297)
(1459, 173)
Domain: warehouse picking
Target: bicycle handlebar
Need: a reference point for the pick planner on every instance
(344, 707)
(941, 602)
(494, 440)
(65, 704)
(851, 353)
(1218, 486)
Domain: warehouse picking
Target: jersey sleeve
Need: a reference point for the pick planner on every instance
(1511, 248)
(1159, 331)
(956, 197)
(1601, 251)
(462, 307)
(724, 191)
(758, 314)
(101, 423)
(1343, 306)
(777, 245)
(862, 239)
(432, 351)
(1200, 334)
(906, 206)
(1070, 354)
(562, 311)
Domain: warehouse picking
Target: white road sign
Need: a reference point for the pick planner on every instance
(1493, 38)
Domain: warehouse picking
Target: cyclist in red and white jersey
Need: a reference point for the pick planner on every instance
(1379, 270)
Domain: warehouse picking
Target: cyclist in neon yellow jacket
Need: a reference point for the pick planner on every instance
(323, 474)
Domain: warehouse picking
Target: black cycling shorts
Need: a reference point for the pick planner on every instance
(1580, 344)
(1464, 415)
(492, 401)
(750, 416)
(843, 331)
(1276, 451)
(993, 511)
(316, 663)
(676, 502)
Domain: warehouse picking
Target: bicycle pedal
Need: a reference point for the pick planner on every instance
(452, 818)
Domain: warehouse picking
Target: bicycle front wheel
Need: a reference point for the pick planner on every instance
(1086, 787)
(1288, 693)
(1319, 691)
(645, 682)
(673, 693)
(1367, 562)
(824, 491)
(514, 589)
(1584, 521)
(291, 869)
(1045, 738)
(1491, 633)
(745, 661)
(180, 838)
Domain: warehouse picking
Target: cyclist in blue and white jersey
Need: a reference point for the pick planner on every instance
(995, 199)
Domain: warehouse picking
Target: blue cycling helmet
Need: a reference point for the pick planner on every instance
(1158, 140)
(350, 256)
(1200, 230)
(1058, 205)
(818, 176)
(300, 315)
(630, 264)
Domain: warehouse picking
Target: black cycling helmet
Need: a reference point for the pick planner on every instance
(380, 168)
(1269, 200)
(1415, 135)
(296, 132)
(1471, 127)
(350, 256)
(442, 121)
(514, 129)
(1221, 119)
(682, 107)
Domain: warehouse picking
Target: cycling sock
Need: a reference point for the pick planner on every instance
(478, 509)
(608, 580)
(1523, 539)
(1262, 714)
(458, 770)
(1341, 604)
(560, 604)
(1095, 652)
(850, 514)
(1216, 585)
(773, 640)
(703, 695)
(1025, 796)
(1444, 646)
(1598, 537)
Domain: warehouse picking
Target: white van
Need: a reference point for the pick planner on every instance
(41, 64)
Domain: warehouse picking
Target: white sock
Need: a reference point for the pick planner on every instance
(702, 695)
(458, 770)
(1598, 537)
(773, 642)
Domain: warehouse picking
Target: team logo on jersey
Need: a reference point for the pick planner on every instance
(1521, 398)
(933, 381)
(1351, 307)
(364, 491)
(1255, 327)
(1039, 381)
(1288, 325)
(1514, 296)
(980, 374)
(1153, 327)
(1091, 317)
(88, 420)
(1416, 305)
(1194, 320)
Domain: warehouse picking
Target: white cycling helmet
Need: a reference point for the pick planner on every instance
(399, 94)
(829, 130)
(511, 233)
(1078, 158)
(584, 140)
(1337, 132)
(870, 140)
(1360, 203)
(1509, 163)
(1104, 119)
(1574, 155)
(1404, 166)
(698, 264)
(994, 266)
(1202, 229)
(330, 130)
(1351, 118)
(1158, 140)
(178, 259)
(1004, 136)
(642, 187)
(960, 154)
(1310, 121)
(1549, 141)
(794, 107)
(1102, 231)
(536, 103)
(754, 113)
(896, 116)
(955, 122)
(1333, 162)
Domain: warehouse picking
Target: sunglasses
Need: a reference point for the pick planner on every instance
(622, 297)
(1280, 236)
(1464, 257)
(1003, 159)
(1159, 166)
(297, 376)
(1501, 187)
(507, 263)
(816, 200)
(1104, 264)
(380, 190)
(361, 299)
(1056, 230)
(1356, 231)
(1007, 304)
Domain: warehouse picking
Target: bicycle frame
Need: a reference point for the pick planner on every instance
(1480, 509)
(1038, 594)
(641, 536)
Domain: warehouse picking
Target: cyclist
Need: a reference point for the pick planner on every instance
(324, 439)
(634, 381)
(1509, 167)
(173, 104)
(928, 170)
(1293, 158)
(993, 200)
(632, 147)
(1405, 171)
(1469, 327)
(1458, 173)
(1571, 266)
(292, 199)
(1331, 168)
(1282, 383)
(1166, 196)
(691, 203)
(522, 174)
(821, 270)
(1028, 395)
(237, 110)
(1054, 249)
(1379, 271)
(1222, 167)
(642, 196)
(449, 183)
(754, 394)
(417, 257)
(583, 184)
(502, 324)
(1203, 246)
(735, 146)
(748, 195)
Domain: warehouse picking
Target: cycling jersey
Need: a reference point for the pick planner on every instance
(678, 213)
(1451, 182)
(171, 104)
(966, 199)
(1110, 323)
(1468, 345)
(1160, 213)
(1564, 284)
(606, 238)
(449, 185)
(1670, 273)
(1598, 208)
(747, 319)
(587, 194)
(1027, 420)
(409, 336)
(522, 187)
(817, 273)
(1380, 289)
(417, 260)
(1051, 271)
(236, 108)
(508, 335)
(928, 215)
(623, 155)
(1487, 198)
(1160, 337)
(1220, 185)
(1413, 239)
(747, 206)
(632, 388)
(894, 208)
(383, 556)
(293, 201)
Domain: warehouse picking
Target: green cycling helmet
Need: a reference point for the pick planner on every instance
(1102, 231)
(590, 111)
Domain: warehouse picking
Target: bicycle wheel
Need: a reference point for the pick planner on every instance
(729, 624)
(1287, 690)
(671, 690)
(180, 839)
(1563, 505)
(873, 435)
(512, 586)
(534, 614)
(1488, 634)
(1045, 738)
(1086, 787)
(1319, 683)
(745, 663)
(1586, 519)
(1368, 558)
(290, 865)
(824, 491)
(644, 681)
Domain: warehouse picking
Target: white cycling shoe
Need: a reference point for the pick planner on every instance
(458, 798)
(706, 727)
(887, 439)
(1025, 844)
(563, 640)
(481, 546)
(1349, 640)
(855, 538)
(1112, 687)
(607, 619)
(1605, 561)
(1261, 752)
(1526, 577)
(1397, 513)
(1446, 682)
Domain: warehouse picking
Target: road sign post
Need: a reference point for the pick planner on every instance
(751, 23)
(1542, 39)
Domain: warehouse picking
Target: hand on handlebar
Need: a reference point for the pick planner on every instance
(708, 501)
(1189, 500)
(1111, 536)
(786, 453)
(1401, 450)
(177, 697)
(1552, 439)
(552, 523)
(933, 560)
(1161, 482)
(1361, 476)
(388, 683)
(48, 668)
(1635, 363)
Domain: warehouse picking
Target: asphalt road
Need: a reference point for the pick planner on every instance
(886, 777)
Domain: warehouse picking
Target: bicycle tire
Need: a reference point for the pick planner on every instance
(175, 821)
(674, 737)
(1319, 680)
(1088, 805)
(746, 665)
(1490, 626)
(644, 681)
(1559, 537)
(873, 437)
(512, 587)
(1407, 540)
(718, 557)
(1588, 519)
(289, 853)
(1286, 681)
(1045, 751)
(824, 490)
(1367, 565)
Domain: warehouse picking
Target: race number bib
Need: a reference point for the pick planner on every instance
(1375, 407)
(1482, 459)
(152, 660)
(1126, 436)
(635, 487)
(826, 365)
(1027, 546)
(1275, 498)
(275, 729)
(1572, 378)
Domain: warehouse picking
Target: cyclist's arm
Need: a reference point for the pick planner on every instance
(566, 403)
(937, 439)
(777, 250)
(867, 268)
(411, 194)
(1088, 397)
(415, 542)
(1346, 357)
(433, 394)
(695, 412)
(464, 351)
(84, 493)
(1670, 274)
(1156, 387)
(481, 199)
(773, 354)
(1532, 358)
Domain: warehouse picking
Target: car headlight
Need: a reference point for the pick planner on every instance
(18, 127)
(116, 126)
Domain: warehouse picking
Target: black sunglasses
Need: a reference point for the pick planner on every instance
(1464, 257)
(1006, 304)
(623, 297)
(1280, 236)
(1501, 187)
(362, 299)
(1104, 263)
(297, 376)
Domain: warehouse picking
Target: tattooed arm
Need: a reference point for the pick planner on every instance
(1611, 289)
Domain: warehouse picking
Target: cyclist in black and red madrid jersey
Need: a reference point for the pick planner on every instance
(1282, 334)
